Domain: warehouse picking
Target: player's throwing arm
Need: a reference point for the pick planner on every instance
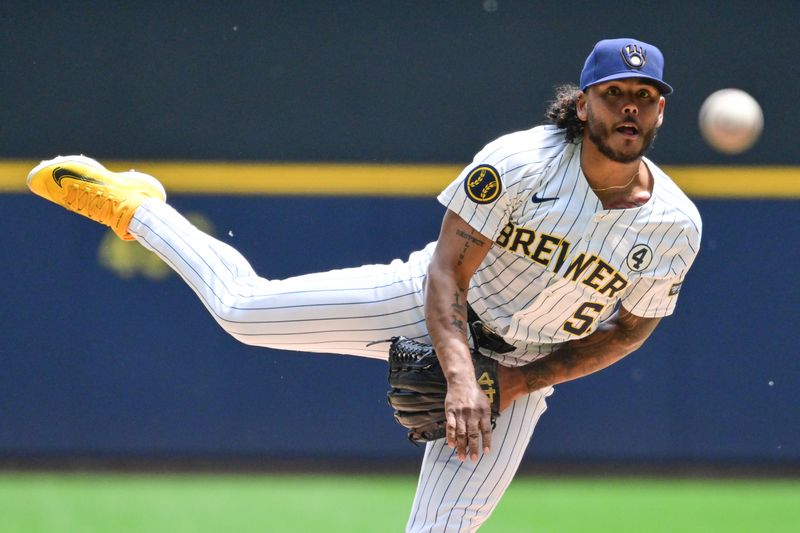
(459, 251)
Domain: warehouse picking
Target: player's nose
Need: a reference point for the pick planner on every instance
(630, 109)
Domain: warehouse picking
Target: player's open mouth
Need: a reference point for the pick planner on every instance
(628, 129)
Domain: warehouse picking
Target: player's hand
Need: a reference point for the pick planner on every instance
(468, 420)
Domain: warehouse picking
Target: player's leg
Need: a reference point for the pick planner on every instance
(335, 312)
(454, 496)
(340, 311)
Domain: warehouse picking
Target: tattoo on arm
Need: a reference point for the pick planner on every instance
(469, 239)
(459, 308)
(571, 360)
(459, 305)
(581, 357)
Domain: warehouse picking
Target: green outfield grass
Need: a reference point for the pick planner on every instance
(120, 503)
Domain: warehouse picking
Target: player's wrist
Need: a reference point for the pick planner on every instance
(462, 379)
(456, 363)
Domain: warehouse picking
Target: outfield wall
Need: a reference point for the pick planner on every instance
(106, 352)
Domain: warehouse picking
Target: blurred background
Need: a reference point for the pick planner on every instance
(108, 359)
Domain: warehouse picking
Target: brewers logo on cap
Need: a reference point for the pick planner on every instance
(483, 184)
(634, 55)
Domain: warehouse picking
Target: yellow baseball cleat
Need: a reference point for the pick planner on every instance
(86, 187)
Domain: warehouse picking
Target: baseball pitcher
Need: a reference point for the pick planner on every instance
(561, 248)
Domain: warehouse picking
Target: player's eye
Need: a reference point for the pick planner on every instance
(644, 93)
(612, 91)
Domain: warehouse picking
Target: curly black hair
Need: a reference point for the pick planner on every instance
(562, 111)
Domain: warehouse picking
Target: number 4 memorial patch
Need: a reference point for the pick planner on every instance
(640, 257)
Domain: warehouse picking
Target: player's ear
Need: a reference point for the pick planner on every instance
(580, 107)
(661, 103)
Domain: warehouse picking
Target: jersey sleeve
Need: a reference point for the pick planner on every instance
(652, 297)
(656, 295)
(480, 195)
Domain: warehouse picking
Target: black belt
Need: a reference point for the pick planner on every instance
(484, 336)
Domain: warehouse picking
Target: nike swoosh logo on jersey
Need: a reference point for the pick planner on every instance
(60, 173)
(535, 198)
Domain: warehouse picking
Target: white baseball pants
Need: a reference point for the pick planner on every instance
(341, 311)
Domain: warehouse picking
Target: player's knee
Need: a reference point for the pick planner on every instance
(244, 339)
(231, 321)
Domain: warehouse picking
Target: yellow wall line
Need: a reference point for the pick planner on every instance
(336, 179)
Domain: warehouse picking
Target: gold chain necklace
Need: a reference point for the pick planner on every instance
(616, 186)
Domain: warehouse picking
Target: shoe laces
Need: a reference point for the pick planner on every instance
(93, 203)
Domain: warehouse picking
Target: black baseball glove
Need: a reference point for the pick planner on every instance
(419, 387)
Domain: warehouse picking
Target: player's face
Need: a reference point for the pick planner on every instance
(622, 117)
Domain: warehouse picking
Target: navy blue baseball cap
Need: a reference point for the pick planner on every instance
(616, 59)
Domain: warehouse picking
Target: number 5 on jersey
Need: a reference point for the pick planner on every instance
(583, 318)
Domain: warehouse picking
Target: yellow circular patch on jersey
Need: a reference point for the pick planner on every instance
(483, 184)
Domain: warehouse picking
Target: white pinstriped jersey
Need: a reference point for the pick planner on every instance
(560, 262)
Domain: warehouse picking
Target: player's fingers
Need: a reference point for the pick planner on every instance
(473, 438)
(450, 429)
(461, 438)
(486, 432)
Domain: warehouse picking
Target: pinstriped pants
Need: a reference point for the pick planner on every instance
(341, 311)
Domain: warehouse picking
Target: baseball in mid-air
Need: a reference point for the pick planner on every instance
(731, 121)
